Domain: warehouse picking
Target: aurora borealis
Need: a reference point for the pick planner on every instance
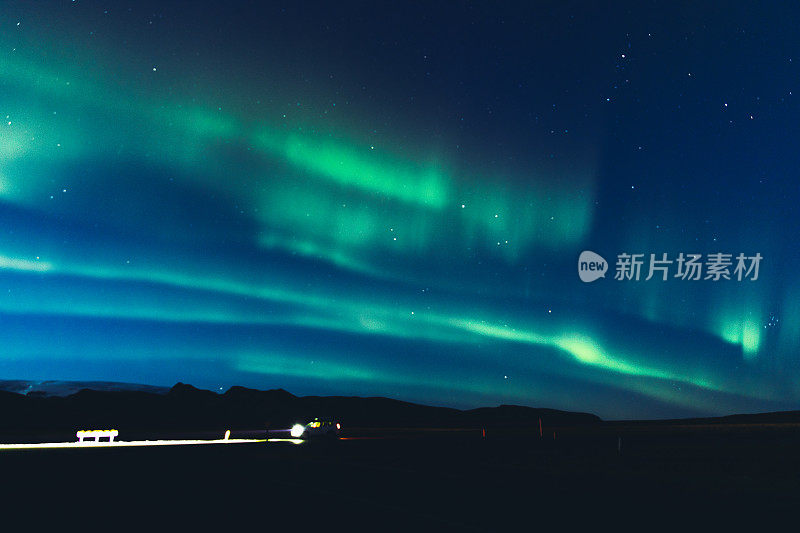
(386, 199)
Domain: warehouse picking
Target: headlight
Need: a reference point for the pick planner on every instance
(297, 430)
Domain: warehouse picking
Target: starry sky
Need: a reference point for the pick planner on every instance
(377, 198)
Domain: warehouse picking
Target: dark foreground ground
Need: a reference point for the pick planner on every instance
(689, 478)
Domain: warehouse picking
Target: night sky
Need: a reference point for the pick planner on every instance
(373, 198)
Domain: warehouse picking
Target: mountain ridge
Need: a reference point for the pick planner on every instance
(185, 407)
(62, 405)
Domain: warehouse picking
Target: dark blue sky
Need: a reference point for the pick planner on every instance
(390, 199)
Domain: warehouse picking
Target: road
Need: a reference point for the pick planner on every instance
(444, 481)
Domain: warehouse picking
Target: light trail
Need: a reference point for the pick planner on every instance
(293, 441)
(124, 444)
